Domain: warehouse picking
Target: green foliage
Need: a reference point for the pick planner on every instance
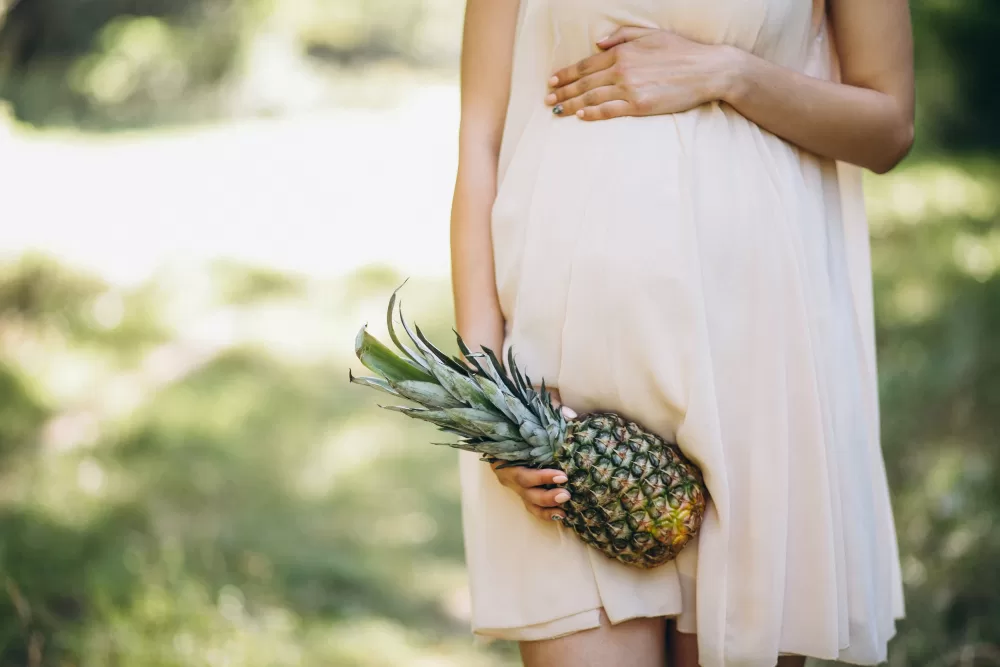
(419, 32)
(242, 285)
(108, 64)
(956, 57)
(112, 63)
(937, 279)
(22, 414)
(115, 63)
(245, 506)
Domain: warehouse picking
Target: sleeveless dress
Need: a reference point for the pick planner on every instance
(711, 281)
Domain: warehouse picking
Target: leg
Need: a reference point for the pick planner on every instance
(792, 661)
(684, 648)
(684, 651)
(636, 643)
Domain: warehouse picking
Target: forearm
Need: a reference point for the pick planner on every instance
(839, 121)
(487, 53)
(477, 311)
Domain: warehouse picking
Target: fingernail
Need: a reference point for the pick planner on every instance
(553, 81)
(562, 497)
(569, 413)
(604, 39)
(557, 109)
(560, 479)
(550, 98)
(579, 113)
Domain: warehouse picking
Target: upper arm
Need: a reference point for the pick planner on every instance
(487, 59)
(874, 41)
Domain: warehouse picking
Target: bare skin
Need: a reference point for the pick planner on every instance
(487, 52)
(866, 120)
(636, 643)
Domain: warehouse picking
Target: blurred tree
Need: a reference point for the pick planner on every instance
(118, 62)
(115, 63)
(22, 415)
(63, 61)
(956, 63)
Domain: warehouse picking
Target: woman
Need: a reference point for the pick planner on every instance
(658, 205)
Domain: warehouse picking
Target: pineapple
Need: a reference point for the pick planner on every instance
(634, 496)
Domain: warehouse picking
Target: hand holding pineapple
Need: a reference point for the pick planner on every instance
(535, 486)
(633, 495)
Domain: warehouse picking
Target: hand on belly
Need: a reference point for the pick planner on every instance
(642, 72)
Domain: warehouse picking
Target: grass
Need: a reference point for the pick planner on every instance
(247, 508)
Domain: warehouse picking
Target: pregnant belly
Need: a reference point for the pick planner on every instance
(633, 199)
(620, 223)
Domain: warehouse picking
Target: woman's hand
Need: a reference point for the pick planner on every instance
(642, 72)
(529, 483)
(865, 117)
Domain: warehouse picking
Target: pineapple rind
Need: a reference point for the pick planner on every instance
(635, 497)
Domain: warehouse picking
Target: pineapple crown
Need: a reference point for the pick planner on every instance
(497, 414)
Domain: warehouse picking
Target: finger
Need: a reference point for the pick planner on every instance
(605, 110)
(591, 98)
(605, 77)
(529, 478)
(545, 497)
(507, 476)
(588, 65)
(554, 515)
(622, 35)
(545, 514)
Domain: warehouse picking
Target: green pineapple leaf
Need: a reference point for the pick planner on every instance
(494, 394)
(534, 401)
(462, 387)
(380, 359)
(437, 417)
(524, 416)
(428, 394)
(374, 383)
(467, 353)
(498, 373)
(392, 332)
(431, 354)
(514, 456)
(546, 397)
(445, 359)
(515, 375)
(479, 415)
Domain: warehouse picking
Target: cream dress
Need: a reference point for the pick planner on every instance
(711, 281)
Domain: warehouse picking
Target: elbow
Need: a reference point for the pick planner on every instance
(896, 148)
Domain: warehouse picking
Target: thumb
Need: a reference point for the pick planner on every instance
(622, 35)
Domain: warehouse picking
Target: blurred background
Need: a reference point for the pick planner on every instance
(201, 201)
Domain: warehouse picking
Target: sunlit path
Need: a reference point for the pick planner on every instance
(319, 194)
